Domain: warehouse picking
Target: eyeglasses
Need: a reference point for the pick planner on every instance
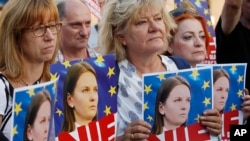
(179, 11)
(41, 30)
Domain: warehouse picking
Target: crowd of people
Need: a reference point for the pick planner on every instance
(143, 35)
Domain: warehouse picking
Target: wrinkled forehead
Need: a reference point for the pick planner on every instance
(147, 10)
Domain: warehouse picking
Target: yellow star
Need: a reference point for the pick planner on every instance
(206, 12)
(111, 72)
(197, 118)
(145, 106)
(18, 108)
(53, 76)
(161, 77)
(99, 59)
(233, 107)
(198, 3)
(147, 89)
(112, 90)
(209, 23)
(107, 110)
(59, 112)
(205, 85)
(150, 118)
(31, 92)
(233, 69)
(14, 130)
(240, 79)
(206, 101)
(240, 93)
(194, 74)
(66, 64)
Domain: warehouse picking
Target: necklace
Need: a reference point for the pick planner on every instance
(26, 84)
(36, 82)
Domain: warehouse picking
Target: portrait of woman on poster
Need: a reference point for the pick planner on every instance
(37, 121)
(221, 86)
(172, 105)
(80, 96)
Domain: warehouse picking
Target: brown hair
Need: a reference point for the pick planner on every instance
(17, 15)
(70, 81)
(162, 95)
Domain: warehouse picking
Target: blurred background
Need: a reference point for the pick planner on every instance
(215, 7)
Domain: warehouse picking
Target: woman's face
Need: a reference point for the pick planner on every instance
(85, 98)
(39, 130)
(189, 41)
(176, 107)
(38, 49)
(147, 35)
(221, 89)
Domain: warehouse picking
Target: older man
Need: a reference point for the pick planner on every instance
(76, 18)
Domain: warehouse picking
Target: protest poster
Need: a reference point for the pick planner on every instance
(33, 112)
(103, 127)
(189, 91)
(229, 85)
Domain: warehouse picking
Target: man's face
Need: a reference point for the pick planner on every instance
(77, 26)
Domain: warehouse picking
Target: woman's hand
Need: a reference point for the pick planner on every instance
(137, 130)
(245, 106)
(211, 119)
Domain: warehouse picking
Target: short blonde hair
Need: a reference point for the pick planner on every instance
(119, 14)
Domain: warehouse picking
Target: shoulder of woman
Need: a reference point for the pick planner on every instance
(180, 62)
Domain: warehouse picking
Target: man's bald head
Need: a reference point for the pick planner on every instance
(64, 6)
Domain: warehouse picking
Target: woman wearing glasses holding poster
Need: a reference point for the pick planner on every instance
(28, 45)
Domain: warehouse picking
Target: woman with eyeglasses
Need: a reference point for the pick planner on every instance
(28, 45)
(136, 31)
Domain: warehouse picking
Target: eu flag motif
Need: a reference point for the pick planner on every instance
(199, 80)
(107, 79)
(22, 102)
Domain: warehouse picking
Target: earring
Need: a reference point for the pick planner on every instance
(72, 106)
